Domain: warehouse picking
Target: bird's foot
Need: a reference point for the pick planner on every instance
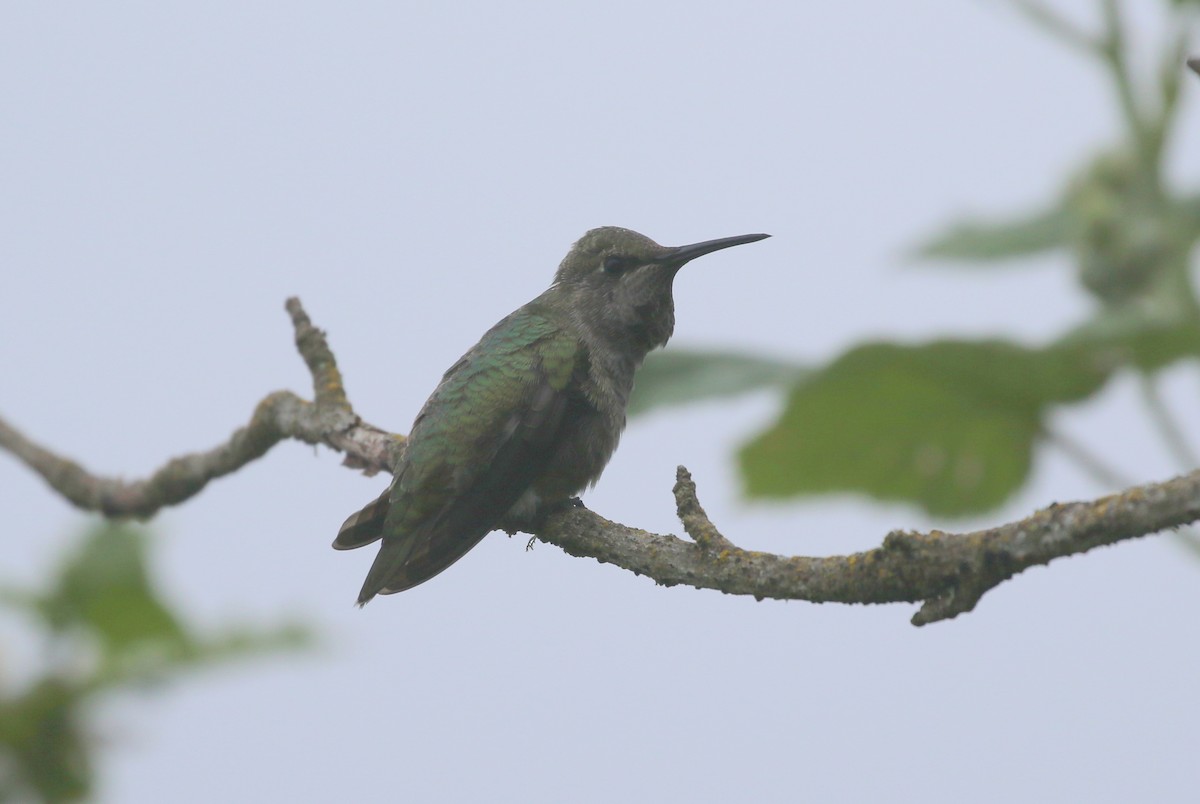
(534, 523)
(539, 519)
(557, 507)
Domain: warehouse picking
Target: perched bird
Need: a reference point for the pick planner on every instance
(531, 414)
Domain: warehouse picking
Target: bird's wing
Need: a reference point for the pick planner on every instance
(488, 430)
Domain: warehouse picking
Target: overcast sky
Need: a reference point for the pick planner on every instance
(170, 173)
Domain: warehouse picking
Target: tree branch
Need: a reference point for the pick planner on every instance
(329, 420)
(948, 573)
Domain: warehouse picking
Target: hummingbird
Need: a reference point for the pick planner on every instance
(529, 416)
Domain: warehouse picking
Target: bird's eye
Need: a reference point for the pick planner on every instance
(616, 265)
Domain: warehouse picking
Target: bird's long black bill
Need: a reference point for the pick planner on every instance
(686, 253)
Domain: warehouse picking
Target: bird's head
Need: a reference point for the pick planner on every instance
(617, 283)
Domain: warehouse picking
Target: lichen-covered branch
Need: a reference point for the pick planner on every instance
(947, 573)
(329, 420)
(695, 522)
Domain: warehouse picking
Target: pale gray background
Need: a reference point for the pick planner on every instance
(168, 175)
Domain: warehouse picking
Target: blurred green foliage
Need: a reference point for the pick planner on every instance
(678, 376)
(952, 426)
(106, 629)
(946, 404)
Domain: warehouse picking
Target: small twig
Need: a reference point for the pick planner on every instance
(1194, 63)
(1189, 539)
(1176, 443)
(1170, 80)
(330, 421)
(1114, 47)
(1108, 478)
(1111, 48)
(1090, 464)
(1172, 434)
(328, 390)
(1058, 26)
(695, 522)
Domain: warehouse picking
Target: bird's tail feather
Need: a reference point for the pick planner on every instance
(365, 525)
(393, 555)
(416, 557)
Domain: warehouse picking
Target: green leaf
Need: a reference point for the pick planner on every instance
(21, 599)
(155, 661)
(1187, 216)
(110, 629)
(949, 425)
(985, 241)
(243, 643)
(105, 588)
(1131, 335)
(679, 376)
(44, 753)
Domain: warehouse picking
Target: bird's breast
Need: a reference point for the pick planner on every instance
(591, 428)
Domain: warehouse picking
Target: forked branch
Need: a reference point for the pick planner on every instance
(948, 573)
